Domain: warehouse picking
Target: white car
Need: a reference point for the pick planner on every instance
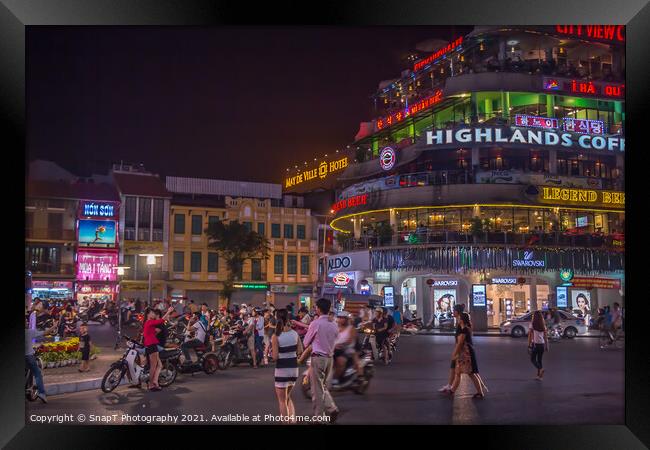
(518, 326)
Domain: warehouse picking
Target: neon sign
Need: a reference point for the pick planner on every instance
(350, 202)
(528, 260)
(387, 158)
(588, 88)
(92, 209)
(96, 266)
(612, 199)
(522, 120)
(439, 53)
(414, 108)
(612, 33)
(584, 126)
(323, 170)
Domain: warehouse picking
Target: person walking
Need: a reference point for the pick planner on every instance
(270, 323)
(319, 342)
(84, 347)
(458, 309)
(286, 346)
(466, 358)
(31, 334)
(537, 342)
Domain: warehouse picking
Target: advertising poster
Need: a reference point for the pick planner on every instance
(478, 295)
(389, 300)
(562, 296)
(581, 303)
(443, 301)
(97, 233)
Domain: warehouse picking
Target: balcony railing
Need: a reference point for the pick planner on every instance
(613, 241)
(140, 275)
(48, 233)
(51, 268)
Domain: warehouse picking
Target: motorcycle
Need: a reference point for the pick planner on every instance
(369, 345)
(412, 326)
(130, 367)
(207, 362)
(349, 380)
(234, 349)
(555, 333)
(31, 391)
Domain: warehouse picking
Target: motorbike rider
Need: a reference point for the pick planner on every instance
(195, 337)
(249, 334)
(344, 345)
(380, 324)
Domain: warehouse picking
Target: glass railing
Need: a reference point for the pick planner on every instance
(559, 239)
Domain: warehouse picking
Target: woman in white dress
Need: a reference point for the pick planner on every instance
(286, 346)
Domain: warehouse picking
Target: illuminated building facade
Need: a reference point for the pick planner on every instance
(499, 156)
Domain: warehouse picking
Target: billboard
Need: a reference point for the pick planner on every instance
(97, 233)
(96, 266)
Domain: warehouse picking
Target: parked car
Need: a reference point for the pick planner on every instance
(518, 326)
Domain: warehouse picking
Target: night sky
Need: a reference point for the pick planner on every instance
(233, 103)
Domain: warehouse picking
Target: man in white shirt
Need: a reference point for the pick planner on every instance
(196, 338)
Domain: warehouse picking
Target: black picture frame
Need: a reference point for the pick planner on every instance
(16, 15)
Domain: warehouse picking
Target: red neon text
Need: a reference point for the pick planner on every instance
(414, 108)
(350, 202)
(605, 32)
(429, 59)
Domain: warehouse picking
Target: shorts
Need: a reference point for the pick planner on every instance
(150, 349)
(85, 354)
(453, 364)
(339, 352)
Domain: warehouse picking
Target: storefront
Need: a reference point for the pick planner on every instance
(95, 291)
(510, 296)
(52, 290)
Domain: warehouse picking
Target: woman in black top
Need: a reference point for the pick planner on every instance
(466, 358)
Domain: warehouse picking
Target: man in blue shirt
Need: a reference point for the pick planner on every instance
(397, 317)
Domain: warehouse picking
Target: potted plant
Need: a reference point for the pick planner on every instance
(476, 228)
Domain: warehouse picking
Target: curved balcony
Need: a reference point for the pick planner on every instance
(614, 241)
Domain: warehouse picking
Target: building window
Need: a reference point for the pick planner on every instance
(213, 262)
(197, 223)
(179, 223)
(248, 226)
(260, 228)
(256, 269)
(195, 262)
(129, 261)
(304, 265)
(288, 231)
(129, 218)
(300, 231)
(275, 230)
(292, 264)
(179, 261)
(278, 264)
(144, 218)
(212, 220)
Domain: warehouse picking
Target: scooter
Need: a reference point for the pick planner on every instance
(350, 380)
(207, 362)
(555, 333)
(234, 349)
(129, 366)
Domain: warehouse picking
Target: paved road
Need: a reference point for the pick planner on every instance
(582, 385)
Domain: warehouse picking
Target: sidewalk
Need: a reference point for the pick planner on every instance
(61, 380)
(491, 332)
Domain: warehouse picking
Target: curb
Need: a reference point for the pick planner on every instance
(76, 386)
(427, 333)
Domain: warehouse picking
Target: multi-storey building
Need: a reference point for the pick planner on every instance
(492, 175)
(143, 231)
(197, 272)
(70, 243)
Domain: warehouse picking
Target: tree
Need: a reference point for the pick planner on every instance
(236, 243)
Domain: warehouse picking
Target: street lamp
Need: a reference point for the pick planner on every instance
(120, 274)
(151, 261)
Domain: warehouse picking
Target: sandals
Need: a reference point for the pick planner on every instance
(155, 388)
(478, 395)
